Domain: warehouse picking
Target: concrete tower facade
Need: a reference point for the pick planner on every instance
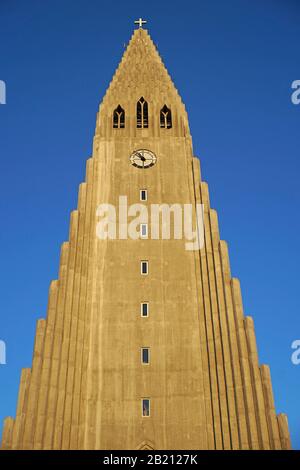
(145, 343)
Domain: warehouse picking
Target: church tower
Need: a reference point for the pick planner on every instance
(145, 344)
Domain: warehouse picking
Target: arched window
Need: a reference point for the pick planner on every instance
(119, 118)
(165, 118)
(142, 114)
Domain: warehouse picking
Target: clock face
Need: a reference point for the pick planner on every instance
(143, 158)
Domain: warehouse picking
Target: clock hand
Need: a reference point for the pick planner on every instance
(141, 156)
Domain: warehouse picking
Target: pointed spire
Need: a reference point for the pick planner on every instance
(141, 73)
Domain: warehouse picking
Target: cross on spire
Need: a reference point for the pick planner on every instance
(140, 22)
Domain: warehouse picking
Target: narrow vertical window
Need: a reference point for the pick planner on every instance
(144, 309)
(119, 118)
(145, 355)
(144, 267)
(165, 118)
(143, 194)
(145, 407)
(144, 231)
(142, 114)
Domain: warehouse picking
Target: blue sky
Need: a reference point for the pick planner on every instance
(233, 63)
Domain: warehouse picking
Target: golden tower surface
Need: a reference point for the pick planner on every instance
(200, 385)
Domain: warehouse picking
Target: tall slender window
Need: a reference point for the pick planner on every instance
(144, 231)
(119, 118)
(143, 194)
(165, 118)
(142, 114)
(144, 309)
(145, 407)
(145, 355)
(144, 267)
